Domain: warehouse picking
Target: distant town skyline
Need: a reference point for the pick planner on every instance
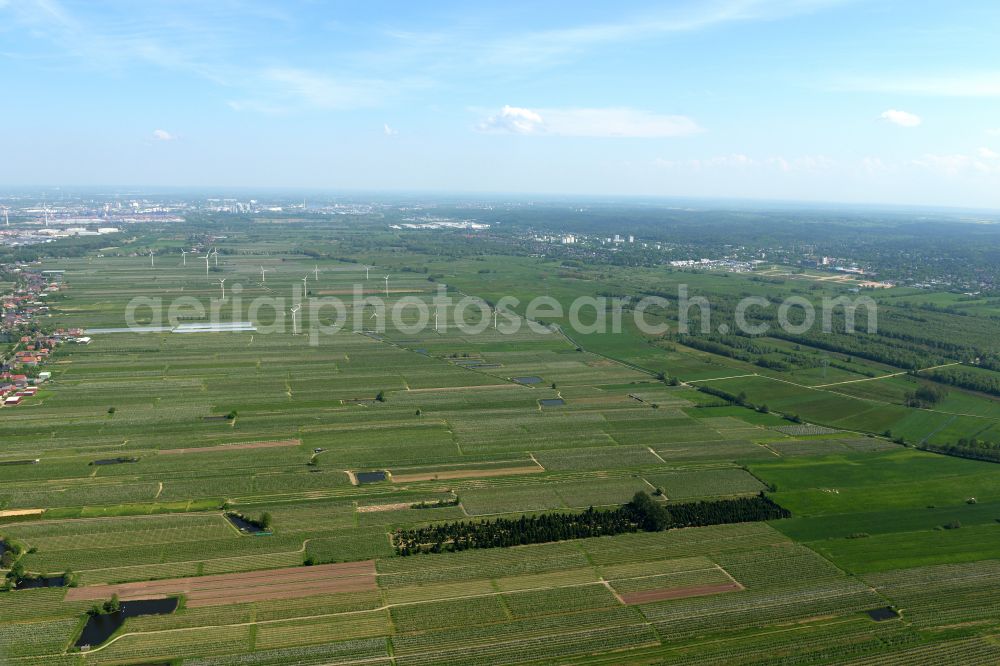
(881, 101)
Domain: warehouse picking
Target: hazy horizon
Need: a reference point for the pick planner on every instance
(874, 103)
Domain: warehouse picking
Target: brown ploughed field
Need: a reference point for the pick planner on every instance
(221, 589)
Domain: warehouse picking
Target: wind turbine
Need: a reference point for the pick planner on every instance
(494, 319)
(435, 320)
(387, 286)
(5, 218)
(152, 263)
(206, 258)
(305, 284)
(216, 253)
(366, 272)
(222, 283)
(184, 257)
(46, 207)
(262, 271)
(316, 273)
(295, 328)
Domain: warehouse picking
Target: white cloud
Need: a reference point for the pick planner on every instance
(901, 118)
(743, 161)
(163, 135)
(734, 160)
(322, 91)
(875, 165)
(560, 44)
(388, 131)
(984, 162)
(958, 84)
(607, 123)
(947, 164)
(280, 90)
(993, 131)
(512, 119)
(256, 105)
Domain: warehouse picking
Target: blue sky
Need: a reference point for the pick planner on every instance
(894, 101)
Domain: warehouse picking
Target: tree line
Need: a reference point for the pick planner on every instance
(966, 379)
(972, 448)
(642, 513)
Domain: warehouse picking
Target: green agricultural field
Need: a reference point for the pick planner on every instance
(335, 442)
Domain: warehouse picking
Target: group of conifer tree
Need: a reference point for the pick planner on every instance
(643, 513)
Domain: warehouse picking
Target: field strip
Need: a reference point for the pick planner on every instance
(894, 374)
(728, 575)
(370, 660)
(797, 627)
(772, 605)
(714, 567)
(465, 474)
(764, 446)
(865, 379)
(937, 430)
(225, 589)
(647, 596)
(658, 457)
(233, 447)
(377, 508)
(874, 401)
(719, 379)
(387, 341)
(477, 387)
(15, 513)
(384, 607)
(613, 591)
(618, 361)
(301, 549)
(139, 516)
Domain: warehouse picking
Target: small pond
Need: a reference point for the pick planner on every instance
(100, 627)
(527, 380)
(370, 477)
(115, 461)
(40, 581)
(882, 614)
(552, 402)
(248, 526)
